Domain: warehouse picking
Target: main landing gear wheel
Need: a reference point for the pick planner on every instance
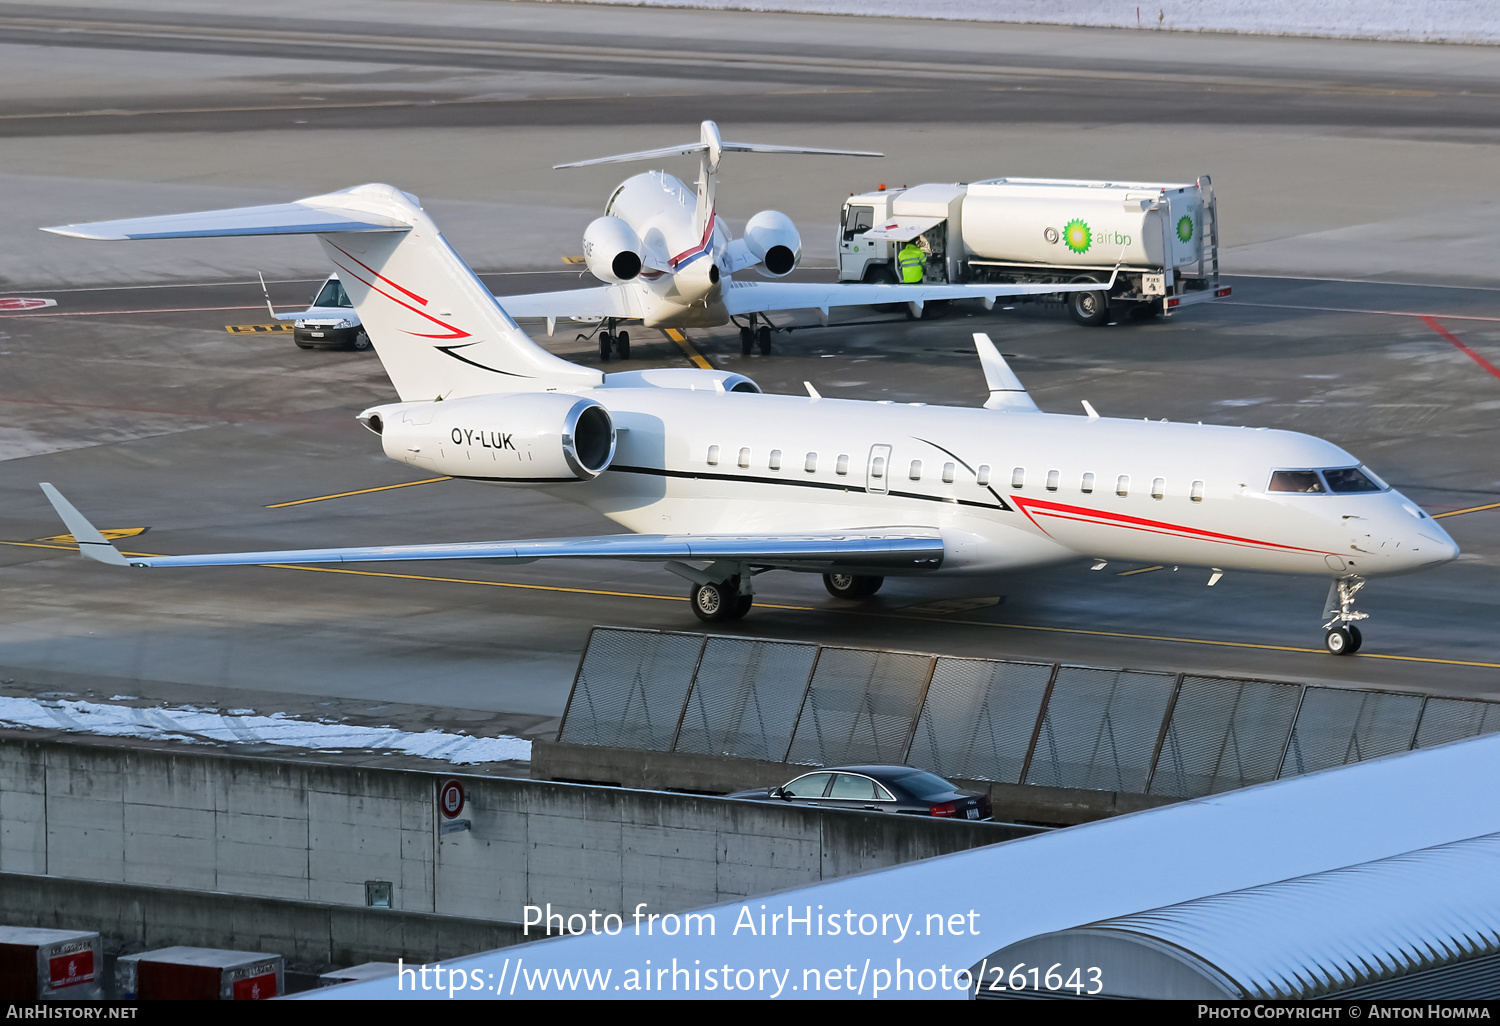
(717, 602)
(622, 345)
(747, 341)
(851, 586)
(606, 343)
(1090, 309)
(764, 337)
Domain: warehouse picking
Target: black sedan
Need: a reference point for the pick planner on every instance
(878, 789)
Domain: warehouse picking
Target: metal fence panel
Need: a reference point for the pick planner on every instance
(1451, 719)
(1100, 729)
(1224, 734)
(860, 707)
(977, 721)
(745, 698)
(630, 689)
(1336, 726)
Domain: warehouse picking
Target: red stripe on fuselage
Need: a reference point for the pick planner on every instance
(1080, 514)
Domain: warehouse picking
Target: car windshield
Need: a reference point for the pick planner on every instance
(333, 294)
(924, 784)
(810, 786)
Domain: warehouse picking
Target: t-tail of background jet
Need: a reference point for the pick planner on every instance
(437, 329)
(710, 149)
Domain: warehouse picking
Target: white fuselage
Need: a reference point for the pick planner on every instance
(1005, 490)
(675, 288)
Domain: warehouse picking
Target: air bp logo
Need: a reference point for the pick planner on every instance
(1077, 237)
(1184, 229)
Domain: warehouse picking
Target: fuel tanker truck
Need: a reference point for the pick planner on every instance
(1164, 238)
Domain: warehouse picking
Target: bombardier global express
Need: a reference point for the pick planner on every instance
(720, 481)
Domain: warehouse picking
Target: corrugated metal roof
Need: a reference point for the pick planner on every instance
(1330, 931)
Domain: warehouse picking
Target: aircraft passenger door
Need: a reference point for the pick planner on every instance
(878, 471)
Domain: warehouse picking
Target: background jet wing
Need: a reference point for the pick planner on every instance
(591, 304)
(743, 297)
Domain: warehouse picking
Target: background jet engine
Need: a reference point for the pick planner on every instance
(773, 240)
(612, 250)
(530, 436)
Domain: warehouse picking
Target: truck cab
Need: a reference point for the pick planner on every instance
(862, 259)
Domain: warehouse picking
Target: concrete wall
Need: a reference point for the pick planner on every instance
(307, 831)
(311, 936)
(706, 774)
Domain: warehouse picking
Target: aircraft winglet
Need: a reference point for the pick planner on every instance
(90, 542)
(1006, 390)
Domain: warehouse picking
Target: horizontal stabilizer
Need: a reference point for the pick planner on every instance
(688, 149)
(305, 217)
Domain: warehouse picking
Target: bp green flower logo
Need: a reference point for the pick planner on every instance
(1077, 237)
(1185, 229)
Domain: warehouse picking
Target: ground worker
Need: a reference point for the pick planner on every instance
(911, 262)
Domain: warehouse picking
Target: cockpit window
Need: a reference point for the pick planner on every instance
(1296, 481)
(1350, 479)
(333, 294)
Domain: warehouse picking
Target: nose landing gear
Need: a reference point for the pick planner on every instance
(1342, 637)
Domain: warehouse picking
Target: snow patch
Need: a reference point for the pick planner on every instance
(206, 726)
(1460, 21)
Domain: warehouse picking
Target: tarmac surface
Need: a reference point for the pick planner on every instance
(1355, 181)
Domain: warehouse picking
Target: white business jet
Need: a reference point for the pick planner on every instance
(669, 260)
(721, 482)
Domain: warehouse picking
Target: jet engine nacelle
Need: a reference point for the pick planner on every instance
(530, 436)
(611, 249)
(773, 240)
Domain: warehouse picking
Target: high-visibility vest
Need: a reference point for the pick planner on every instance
(912, 263)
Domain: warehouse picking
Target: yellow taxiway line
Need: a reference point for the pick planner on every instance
(1458, 512)
(357, 491)
(687, 347)
(1141, 570)
(938, 619)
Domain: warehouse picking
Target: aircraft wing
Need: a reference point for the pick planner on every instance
(585, 304)
(887, 550)
(745, 297)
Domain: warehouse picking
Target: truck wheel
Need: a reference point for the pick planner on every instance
(880, 274)
(1090, 309)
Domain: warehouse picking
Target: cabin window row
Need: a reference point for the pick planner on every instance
(1088, 483)
(949, 472)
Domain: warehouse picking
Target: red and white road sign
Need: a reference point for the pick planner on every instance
(451, 798)
(24, 303)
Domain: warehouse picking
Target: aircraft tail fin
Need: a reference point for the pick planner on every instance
(437, 329)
